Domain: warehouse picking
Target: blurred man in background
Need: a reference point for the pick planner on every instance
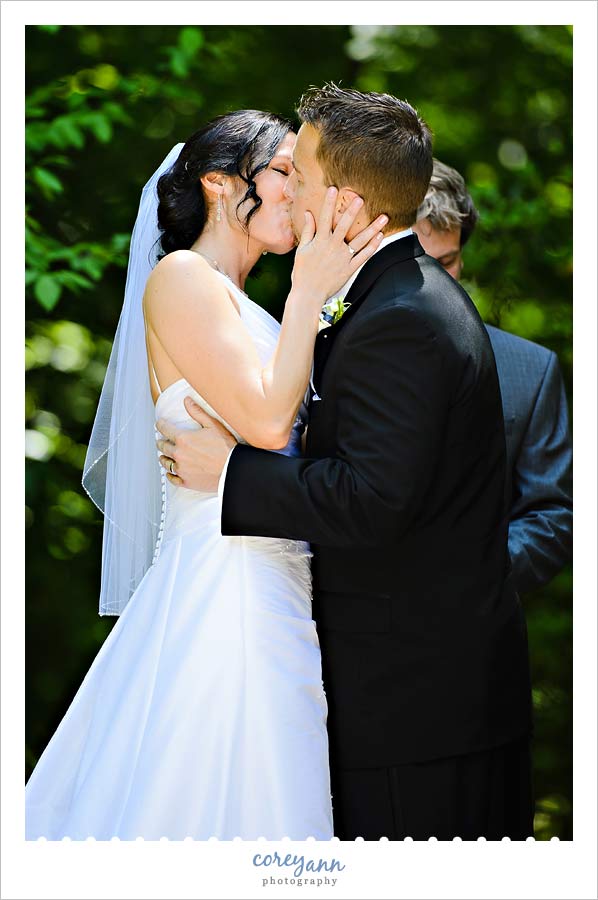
(539, 457)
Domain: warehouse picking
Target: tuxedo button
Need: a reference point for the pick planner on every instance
(325, 336)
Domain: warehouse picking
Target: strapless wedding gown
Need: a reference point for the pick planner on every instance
(203, 714)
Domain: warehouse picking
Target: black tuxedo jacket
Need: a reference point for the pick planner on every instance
(401, 494)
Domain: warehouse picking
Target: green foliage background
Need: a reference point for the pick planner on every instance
(105, 104)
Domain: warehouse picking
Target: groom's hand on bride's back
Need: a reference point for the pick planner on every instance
(197, 455)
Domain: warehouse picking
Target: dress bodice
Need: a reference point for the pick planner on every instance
(186, 510)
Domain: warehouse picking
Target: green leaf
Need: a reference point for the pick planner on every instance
(47, 181)
(120, 242)
(90, 266)
(104, 77)
(116, 112)
(190, 40)
(58, 160)
(36, 136)
(178, 64)
(72, 281)
(47, 291)
(66, 132)
(34, 112)
(101, 127)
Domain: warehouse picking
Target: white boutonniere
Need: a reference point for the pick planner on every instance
(333, 311)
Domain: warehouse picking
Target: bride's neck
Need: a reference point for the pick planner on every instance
(232, 252)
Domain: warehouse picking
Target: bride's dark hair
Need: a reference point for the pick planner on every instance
(240, 144)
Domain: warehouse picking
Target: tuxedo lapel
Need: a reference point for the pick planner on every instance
(399, 251)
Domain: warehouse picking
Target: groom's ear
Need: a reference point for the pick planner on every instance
(344, 199)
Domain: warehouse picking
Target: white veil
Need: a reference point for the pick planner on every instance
(121, 472)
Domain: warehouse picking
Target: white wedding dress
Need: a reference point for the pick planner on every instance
(203, 713)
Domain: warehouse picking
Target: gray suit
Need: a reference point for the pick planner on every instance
(539, 458)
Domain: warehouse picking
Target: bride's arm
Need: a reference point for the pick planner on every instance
(191, 314)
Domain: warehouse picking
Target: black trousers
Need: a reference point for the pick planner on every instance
(487, 794)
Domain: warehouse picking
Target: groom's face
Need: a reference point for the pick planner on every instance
(306, 186)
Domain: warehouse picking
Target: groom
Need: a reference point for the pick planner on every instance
(400, 493)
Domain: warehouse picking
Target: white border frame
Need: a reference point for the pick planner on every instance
(385, 869)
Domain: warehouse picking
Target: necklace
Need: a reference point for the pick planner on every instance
(214, 263)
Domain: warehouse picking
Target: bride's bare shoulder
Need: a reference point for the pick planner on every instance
(180, 262)
(182, 273)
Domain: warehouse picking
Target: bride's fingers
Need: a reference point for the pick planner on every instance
(347, 220)
(362, 239)
(309, 229)
(363, 255)
(327, 212)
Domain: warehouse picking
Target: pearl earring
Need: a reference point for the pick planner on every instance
(219, 209)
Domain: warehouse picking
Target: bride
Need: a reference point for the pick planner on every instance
(203, 714)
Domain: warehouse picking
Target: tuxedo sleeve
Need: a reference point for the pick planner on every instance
(541, 520)
(391, 404)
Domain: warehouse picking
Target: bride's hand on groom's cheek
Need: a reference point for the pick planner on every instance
(197, 456)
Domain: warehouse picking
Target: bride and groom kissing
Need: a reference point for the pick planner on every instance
(214, 707)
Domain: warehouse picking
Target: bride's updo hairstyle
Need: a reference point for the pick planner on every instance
(239, 144)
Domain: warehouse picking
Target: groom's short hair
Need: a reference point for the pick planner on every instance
(375, 144)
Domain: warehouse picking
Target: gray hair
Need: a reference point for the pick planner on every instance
(448, 203)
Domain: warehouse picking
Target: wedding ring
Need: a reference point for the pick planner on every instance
(171, 467)
(351, 250)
